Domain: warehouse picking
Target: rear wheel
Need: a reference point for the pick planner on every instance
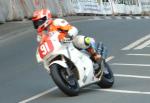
(68, 84)
(107, 79)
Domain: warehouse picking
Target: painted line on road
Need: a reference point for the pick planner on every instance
(138, 17)
(129, 18)
(125, 64)
(121, 91)
(52, 89)
(85, 20)
(39, 95)
(148, 46)
(5, 38)
(108, 90)
(138, 54)
(143, 45)
(134, 44)
(132, 76)
(146, 17)
(77, 21)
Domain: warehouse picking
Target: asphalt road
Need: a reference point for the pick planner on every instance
(21, 78)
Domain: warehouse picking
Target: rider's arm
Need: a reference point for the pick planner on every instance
(41, 36)
(73, 31)
(65, 26)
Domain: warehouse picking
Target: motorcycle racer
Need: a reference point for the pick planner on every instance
(44, 24)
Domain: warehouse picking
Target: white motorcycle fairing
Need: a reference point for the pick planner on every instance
(80, 60)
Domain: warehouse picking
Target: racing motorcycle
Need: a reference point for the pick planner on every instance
(70, 68)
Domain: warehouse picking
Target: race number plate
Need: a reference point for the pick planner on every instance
(45, 48)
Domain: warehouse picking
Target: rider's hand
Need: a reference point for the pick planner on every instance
(38, 38)
(66, 39)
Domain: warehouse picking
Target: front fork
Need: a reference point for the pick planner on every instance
(71, 76)
(68, 69)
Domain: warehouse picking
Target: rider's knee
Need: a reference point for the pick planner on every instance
(83, 42)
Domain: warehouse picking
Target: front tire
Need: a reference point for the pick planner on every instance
(59, 75)
(107, 79)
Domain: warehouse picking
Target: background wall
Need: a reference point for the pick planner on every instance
(20, 9)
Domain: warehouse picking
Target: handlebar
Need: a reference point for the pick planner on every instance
(67, 40)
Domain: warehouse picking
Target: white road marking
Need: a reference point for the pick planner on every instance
(137, 17)
(126, 91)
(39, 95)
(118, 17)
(122, 91)
(132, 76)
(97, 18)
(143, 45)
(132, 45)
(5, 39)
(138, 54)
(128, 17)
(77, 21)
(148, 46)
(107, 90)
(125, 64)
(52, 89)
(146, 17)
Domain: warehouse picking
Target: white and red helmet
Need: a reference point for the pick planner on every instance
(41, 19)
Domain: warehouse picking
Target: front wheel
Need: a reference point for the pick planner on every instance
(69, 85)
(107, 79)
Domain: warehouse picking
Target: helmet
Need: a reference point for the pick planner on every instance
(41, 19)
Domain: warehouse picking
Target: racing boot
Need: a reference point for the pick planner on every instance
(96, 57)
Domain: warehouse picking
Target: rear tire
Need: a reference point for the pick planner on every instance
(107, 80)
(59, 75)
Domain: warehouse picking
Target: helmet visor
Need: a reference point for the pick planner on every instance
(39, 22)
